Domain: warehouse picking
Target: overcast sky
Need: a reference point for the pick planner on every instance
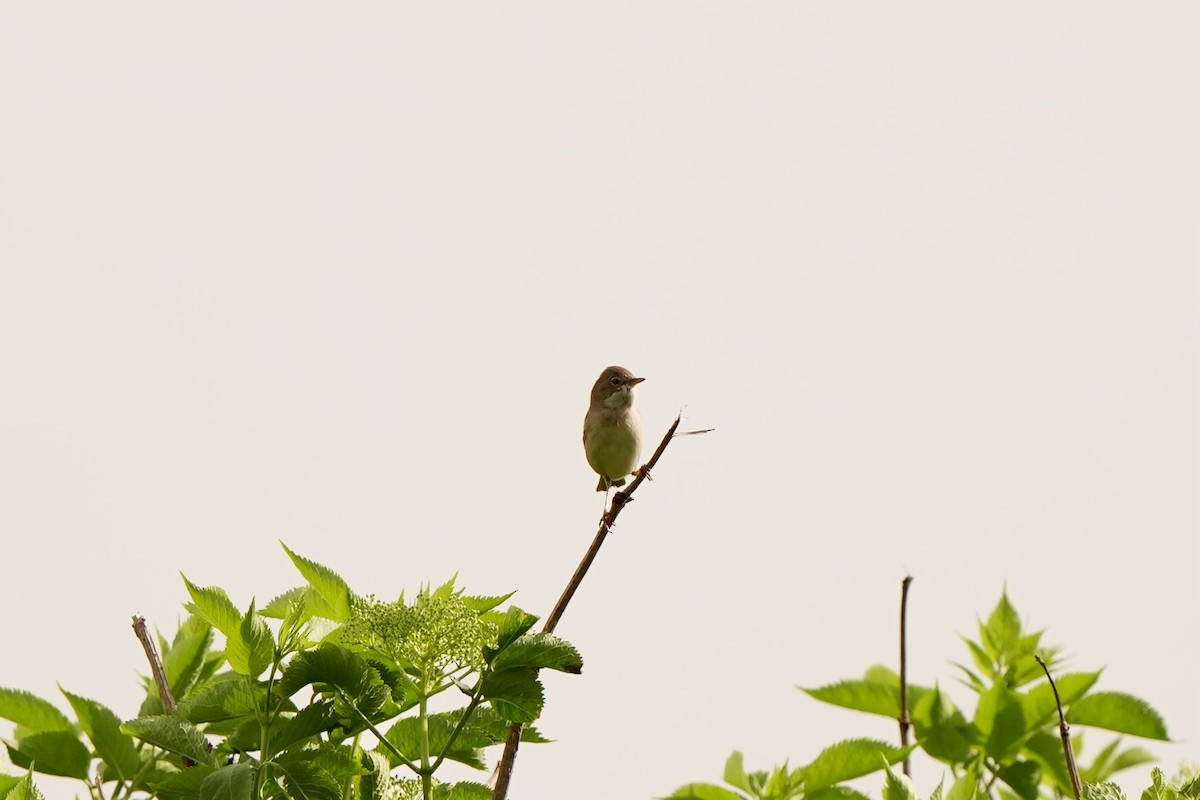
(342, 275)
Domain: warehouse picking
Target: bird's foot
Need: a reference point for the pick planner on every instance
(643, 470)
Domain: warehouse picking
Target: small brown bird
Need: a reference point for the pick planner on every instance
(612, 429)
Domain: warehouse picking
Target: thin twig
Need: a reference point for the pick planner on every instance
(1064, 731)
(905, 722)
(619, 501)
(156, 666)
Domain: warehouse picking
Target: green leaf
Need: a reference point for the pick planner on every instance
(233, 782)
(1123, 713)
(184, 660)
(376, 781)
(898, 787)
(20, 788)
(482, 604)
(965, 788)
(1102, 791)
(174, 734)
(329, 586)
(1047, 750)
(860, 695)
(309, 721)
(849, 759)
(1002, 631)
(543, 650)
(32, 712)
(835, 793)
(103, 728)
(225, 697)
(253, 649)
(338, 667)
(1023, 776)
(405, 736)
(305, 781)
(512, 626)
(183, 785)
(462, 790)
(51, 753)
(281, 605)
(515, 694)
(703, 791)
(1038, 702)
(211, 604)
(1001, 720)
(942, 730)
(735, 771)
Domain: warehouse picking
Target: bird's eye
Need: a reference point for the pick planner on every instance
(615, 381)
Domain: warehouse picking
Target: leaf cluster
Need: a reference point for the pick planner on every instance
(1009, 745)
(322, 694)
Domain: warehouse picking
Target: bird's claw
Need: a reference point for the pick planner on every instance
(643, 470)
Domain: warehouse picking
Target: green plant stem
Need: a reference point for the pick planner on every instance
(426, 774)
(379, 734)
(475, 698)
(348, 783)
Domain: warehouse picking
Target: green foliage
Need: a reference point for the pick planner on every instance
(280, 710)
(1009, 745)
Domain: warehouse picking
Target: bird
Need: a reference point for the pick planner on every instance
(612, 428)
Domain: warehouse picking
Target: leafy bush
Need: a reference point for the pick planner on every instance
(240, 730)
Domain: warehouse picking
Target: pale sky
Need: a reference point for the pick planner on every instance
(342, 276)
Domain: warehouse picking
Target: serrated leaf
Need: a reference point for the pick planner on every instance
(183, 785)
(376, 782)
(1038, 703)
(849, 759)
(860, 695)
(1116, 711)
(281, 605)
(482, 604)
(309, 721)
(703, 791)
(515, 694)
(211, 604)
(254, 648)
(21, 788)
(338, 667)
(1000, 718)
(301, 780)
(51, 753)
(1102, 791)
(232, 782)
(898, 787)
(334, 591)
(226, 697)
(512, 626)
(32, 712)
(103, 728)
(1002, 631)
(462, 790)
(942, 730)
(405, 736)
(1047, 750)
(544, 650)
(184, 661)
(735, 771)
(1023, 776)
(174, 734)
(965, 788)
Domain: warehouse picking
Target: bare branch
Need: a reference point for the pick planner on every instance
(156, 667)
(904, 720)
(619, 501)
(1064, 731)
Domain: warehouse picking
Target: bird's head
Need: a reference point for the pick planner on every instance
(614, 388)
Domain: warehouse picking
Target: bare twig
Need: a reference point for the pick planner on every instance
(156, 667)
(619, 501)
(1064, 731)
(905, 722)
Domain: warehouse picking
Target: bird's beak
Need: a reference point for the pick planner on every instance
(633, 381)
